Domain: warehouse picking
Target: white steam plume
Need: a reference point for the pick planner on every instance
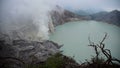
(25, 18)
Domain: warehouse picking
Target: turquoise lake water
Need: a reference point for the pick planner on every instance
(74, 37)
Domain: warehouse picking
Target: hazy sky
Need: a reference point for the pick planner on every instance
(16, 14)
(90, 4)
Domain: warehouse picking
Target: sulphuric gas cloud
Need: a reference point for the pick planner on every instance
(27, 19)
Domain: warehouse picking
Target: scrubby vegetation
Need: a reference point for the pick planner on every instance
(56, 61)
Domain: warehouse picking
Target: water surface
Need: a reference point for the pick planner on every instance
(74, 37)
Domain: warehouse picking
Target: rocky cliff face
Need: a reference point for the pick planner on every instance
(60, 16)
(112, 17)
(23, 51)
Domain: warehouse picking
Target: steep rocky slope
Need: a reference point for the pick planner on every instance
(112, 17)
(23, 51)
(60, 16)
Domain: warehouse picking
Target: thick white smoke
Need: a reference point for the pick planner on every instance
(26, 19)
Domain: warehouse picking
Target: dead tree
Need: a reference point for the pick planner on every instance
(105, 52)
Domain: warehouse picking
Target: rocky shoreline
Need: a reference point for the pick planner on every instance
(60, 16)
(33, 54)
(30, 52)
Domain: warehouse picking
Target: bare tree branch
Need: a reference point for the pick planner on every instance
(105, 52)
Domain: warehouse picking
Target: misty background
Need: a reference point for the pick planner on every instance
(101, 5)
(29, 19)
